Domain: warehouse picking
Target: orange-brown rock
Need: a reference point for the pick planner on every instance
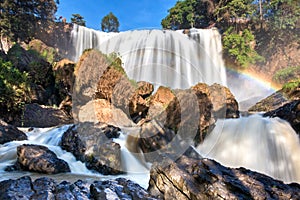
(224, 103)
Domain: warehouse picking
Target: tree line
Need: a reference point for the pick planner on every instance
(19, 19)
(247, 26)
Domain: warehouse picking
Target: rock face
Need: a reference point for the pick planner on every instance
(40, 159)
(224, 103)
(93, 145)
(36, 115)
(10, 133)
(289, 112)
(47, 188)
(207, 179)
(64, 79)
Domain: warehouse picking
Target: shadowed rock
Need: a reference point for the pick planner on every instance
(206, 179)
(10, 133)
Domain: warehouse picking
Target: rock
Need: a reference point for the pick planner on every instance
(72, 143)
(289, 112)
(159, 102)
(118, 189)
(115, 87)
(40, 159)
(207, 179)
(224, 103)
(40, 73)
(43, 116)
(290, 92)
(64, 79)
(93, 144)
(44, 188)
(107, 113)
(48, 53)
(20, 189)
(47, 188)
(272, 102)
(10, 133)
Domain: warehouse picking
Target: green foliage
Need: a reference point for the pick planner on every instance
(188, 14)
(290, 86)
(239, 47)
(78, 19)
(287, 74)
(19, 18)
(110, 23)
(14, 87)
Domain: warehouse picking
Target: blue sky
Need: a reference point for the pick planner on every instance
(132, 14)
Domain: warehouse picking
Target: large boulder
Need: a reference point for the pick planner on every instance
(37, 158)
(224, 102)
(36, 115)
(93, 144)
(10, 133)
(47, 188)
(206, 179)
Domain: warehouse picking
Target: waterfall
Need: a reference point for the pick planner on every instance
(162, 57)
(266, 145)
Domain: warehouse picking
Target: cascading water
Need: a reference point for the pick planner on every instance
(168, 58)
(267, 145)
(51, 137)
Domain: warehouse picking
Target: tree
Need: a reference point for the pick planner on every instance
(78, 19)
(19, 18)
(188, 14)
(110, 23)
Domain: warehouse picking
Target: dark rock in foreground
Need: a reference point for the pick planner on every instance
(207, 179)
(46, 188)
(289, 112)
(10, 133)
(92, 144)
(40, 159)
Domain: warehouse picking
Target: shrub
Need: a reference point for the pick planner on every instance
(239, 47)
(287, 74)
(14, 87)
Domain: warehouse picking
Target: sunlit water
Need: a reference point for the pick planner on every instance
(270, 146)
(50, 137)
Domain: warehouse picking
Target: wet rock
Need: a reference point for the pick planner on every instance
(71, 142)
(20, 189)
(40, 159)
(44, 188)
(224, 103)
(47, 188)
(118, 189)
(10, 133)
(93, 144)
(36, 115)
(206, 179)
(289, 112)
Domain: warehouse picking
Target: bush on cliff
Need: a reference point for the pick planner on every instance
(14, 88)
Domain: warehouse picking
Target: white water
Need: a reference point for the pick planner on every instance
(50, 137)
(168, 58)
(267, 145)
